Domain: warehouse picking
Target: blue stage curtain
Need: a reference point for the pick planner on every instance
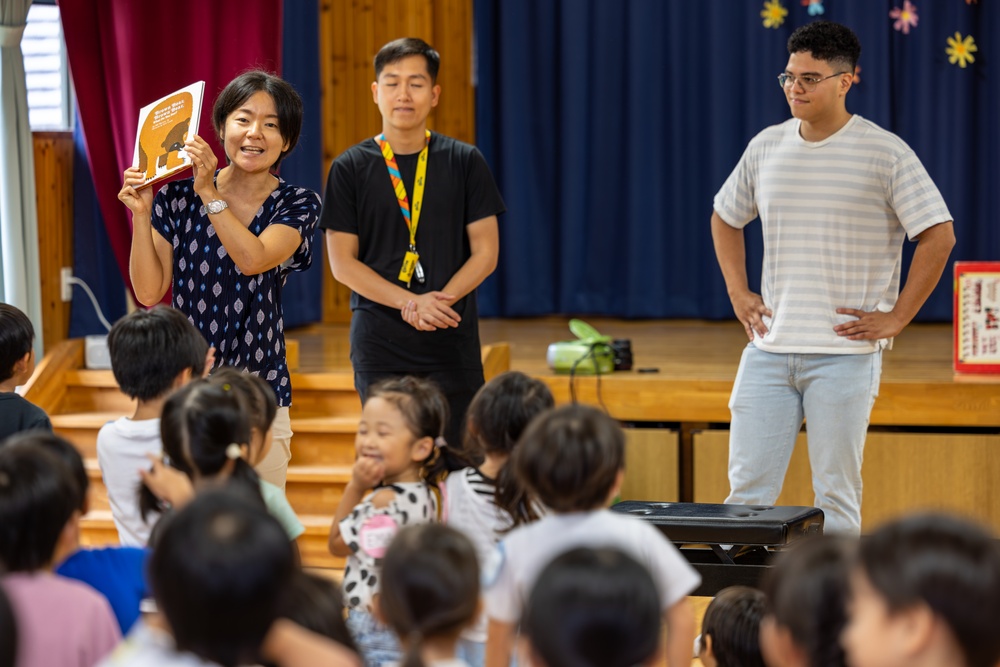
(302, 294)
(610, 126)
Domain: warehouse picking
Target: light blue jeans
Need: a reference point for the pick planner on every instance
(771, 395)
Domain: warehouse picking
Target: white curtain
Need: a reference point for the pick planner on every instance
(20, 280)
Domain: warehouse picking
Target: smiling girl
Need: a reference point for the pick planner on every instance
(400, 457)
(225, 240)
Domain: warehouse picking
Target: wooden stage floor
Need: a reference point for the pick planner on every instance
(697, 361)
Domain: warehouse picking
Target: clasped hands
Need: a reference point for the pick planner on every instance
(430, 311)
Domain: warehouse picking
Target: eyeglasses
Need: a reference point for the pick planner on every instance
(807, 82)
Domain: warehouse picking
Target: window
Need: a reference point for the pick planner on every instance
(50, 103)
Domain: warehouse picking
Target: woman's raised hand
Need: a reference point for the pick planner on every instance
(203, 162)
(139, 201)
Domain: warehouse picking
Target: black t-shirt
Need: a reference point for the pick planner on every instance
(360, 200)
(18, 414)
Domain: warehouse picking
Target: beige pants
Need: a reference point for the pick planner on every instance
(274, 467)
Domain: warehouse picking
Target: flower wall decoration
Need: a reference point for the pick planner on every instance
(906, 17)
(773, 14)
(960, 50)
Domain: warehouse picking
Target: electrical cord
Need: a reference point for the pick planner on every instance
(73, 280)
(591, 352)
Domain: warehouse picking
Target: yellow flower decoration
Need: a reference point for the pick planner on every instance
(773, 13)
(960, 50)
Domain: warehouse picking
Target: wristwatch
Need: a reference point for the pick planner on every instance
(216, 206)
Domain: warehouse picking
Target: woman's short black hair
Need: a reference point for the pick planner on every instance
(286, 101)
(150, 348)
(593, 607)
(570, 457)
(38, 495)
(16, 338)
(217, 575)
(951, 565)
(807, 592)
(732, 620)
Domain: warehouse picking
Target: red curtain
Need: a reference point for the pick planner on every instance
(124, 54)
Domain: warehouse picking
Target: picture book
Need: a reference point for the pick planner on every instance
(977, 317)
(164, 126)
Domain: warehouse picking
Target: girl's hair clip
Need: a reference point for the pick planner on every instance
(440, 442)
(233, 451)
(226, 386)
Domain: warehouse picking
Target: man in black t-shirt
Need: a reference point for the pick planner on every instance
(411, 227)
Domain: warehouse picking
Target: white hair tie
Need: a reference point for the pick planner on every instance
(440, 442)
(233, 451)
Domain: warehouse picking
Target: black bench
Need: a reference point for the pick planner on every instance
(728, 544)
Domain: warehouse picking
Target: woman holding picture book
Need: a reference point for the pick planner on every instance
(224, 240)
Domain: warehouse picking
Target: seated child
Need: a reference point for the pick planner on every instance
(430, 592)
(806, 593)
(925, 591)
(208, 440)
(118, 573)
(17, 364)
(573, 460)
(400, 457)
(486, 502)
(316, 603)
(8, 632)
(153, 352)
(592, 608)
(217, 574)
(730, 630)
(60, 621)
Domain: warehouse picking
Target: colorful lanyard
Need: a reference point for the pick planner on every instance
(397, 184)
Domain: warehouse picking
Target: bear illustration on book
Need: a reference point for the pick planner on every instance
(163, 133)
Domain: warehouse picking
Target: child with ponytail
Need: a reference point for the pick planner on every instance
(486, 502)
(430, 593)
(401, 456)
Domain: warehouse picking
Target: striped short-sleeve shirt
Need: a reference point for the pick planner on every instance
(834, 214)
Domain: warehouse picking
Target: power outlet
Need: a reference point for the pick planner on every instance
(66, 277)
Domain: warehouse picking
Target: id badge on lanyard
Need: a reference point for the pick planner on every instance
(411, 260)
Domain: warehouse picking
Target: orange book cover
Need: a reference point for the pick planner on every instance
(164, 126)
(977, 317)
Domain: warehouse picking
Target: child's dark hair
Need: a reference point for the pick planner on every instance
(430, 585)
(496, 418)
(150, 348)
(405, 47)
(8, 631)
(256, 393)
(825, 40)
(947, 563)
(593, 607)
(316, 604)
(37, 498)
(570, 457)
(425, 410)
(67, 454)
(807, 592)
(200, 424)
(16, 338)
(732, 620)
(217, 575)
(287, 103)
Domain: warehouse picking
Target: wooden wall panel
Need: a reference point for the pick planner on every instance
(651, 465)
(54, 194)
(902, 473)
(351, 33)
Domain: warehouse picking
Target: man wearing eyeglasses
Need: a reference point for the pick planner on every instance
(836, 196)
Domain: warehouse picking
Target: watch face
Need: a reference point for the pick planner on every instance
(215, 206)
